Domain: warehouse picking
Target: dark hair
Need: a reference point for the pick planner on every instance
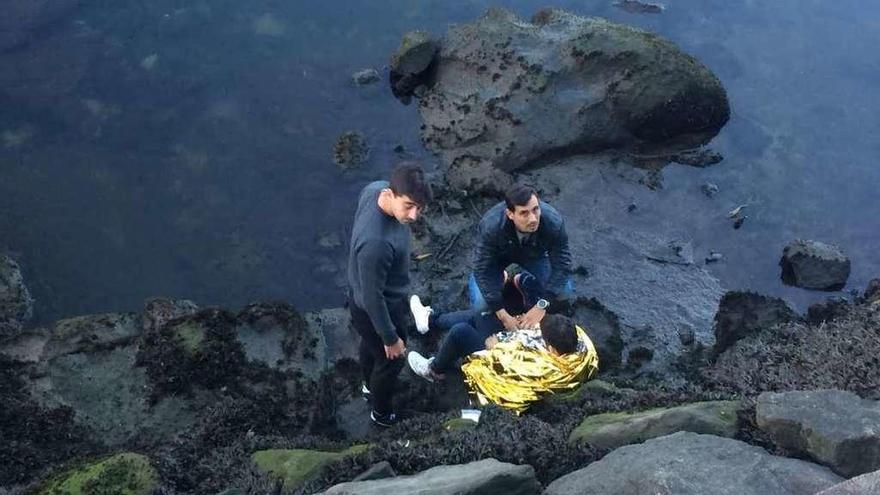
(519, 195)
(560, 332)
(408, 179)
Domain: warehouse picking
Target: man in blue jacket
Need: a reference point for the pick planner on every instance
(528, 232)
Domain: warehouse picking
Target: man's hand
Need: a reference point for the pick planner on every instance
(533, 317)
(509, 322)
(491, 341)
(396, 350)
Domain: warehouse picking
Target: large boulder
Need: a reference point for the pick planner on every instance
(509, 93)
(814, 265)
(612, 430)
(603, 328)
(865, 484)
(16, 303)
(485, 476)
(745, 313)
(689, 463)
(834, 427)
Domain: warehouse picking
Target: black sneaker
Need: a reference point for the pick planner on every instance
(383, 420)
(365, 392)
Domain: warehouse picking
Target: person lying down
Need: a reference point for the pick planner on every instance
(512, 369)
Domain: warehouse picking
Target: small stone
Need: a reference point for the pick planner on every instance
(739, 222)
(631, 208)
(709, 189)
(713, 257)
(149, 62)
(351, 149)
(366, 76)
(686, 336)
(399, 148)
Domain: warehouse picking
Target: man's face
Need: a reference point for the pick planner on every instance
(526, 218)
(404, 209)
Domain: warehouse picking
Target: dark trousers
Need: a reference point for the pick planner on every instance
(379, 372)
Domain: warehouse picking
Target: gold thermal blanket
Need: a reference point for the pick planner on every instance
(519, 370)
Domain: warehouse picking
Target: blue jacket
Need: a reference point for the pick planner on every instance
(499, 246)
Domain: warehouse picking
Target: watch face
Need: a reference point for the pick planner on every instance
(542, 303)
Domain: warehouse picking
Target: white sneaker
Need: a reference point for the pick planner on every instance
(420, 313)
(420, 365)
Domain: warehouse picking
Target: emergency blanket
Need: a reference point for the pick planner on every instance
(519, 369)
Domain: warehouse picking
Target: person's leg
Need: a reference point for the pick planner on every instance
(370, 349)
(445, 321)
(462, 339)
(478, 303)
(541, 269)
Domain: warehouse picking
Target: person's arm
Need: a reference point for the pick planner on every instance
(486, 273)
(560, 265)
(374, 261)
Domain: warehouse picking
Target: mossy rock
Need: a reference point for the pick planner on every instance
(459, 424)
(612, 430)
(296, 466)
(121, 474)
(191, 335)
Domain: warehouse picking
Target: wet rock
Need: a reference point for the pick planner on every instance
(709, 189)
(279, 336)
(745, 313)
(689, 463)
(410, 62)
(738, 222)
(296, 466)
(126, 473)
(814, 265)
(364, 77)
(603, 328)
(637, 7)
(83, 334)
(834, 427)
(613, 430)
(485, 476)
(507, 93)
(160, 310)
(686, 336)
(872, 291)
(821, 312)
(865, 484)
(334, 328)
(16, 303)
(351, 149)
(378, 471)
(698, 158)
(714, 257)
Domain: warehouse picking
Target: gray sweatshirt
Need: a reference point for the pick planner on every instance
(378, 261)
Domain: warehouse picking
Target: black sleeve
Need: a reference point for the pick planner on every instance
(374, 261)
(560, 264)
(486, 272)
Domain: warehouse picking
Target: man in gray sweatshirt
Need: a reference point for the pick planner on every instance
(378, 277)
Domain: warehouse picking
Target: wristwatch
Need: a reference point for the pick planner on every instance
(542, 304)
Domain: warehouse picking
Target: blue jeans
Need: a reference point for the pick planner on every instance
(540, 268)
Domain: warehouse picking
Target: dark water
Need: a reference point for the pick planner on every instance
(182, 148)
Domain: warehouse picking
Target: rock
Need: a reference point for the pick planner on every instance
(745, 313)
(351, 149)
(378, 471)
(337, 335)
(278, 335)
(16, 303)
(410, 62)
(296, 466)
(686, 336)
(612, 430)
(91, 333)
(814, 265)
(160, 310)
(823, 311)
(479, 477)
(687, 463)
(738, 222)
(872, 291)
(698, 158)
(364, 77)
(637, 7)
(834, 427)
(709, 189)
(603, 328)
(508, 93)
(714, 257)
(126, 473)
(866, 484)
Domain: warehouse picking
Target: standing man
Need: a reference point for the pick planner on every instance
(378, 277)
(530, 233)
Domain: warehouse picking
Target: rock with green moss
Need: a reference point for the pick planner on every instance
(121, 474)
(612, 430)
(459, 424)
(296, 466)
